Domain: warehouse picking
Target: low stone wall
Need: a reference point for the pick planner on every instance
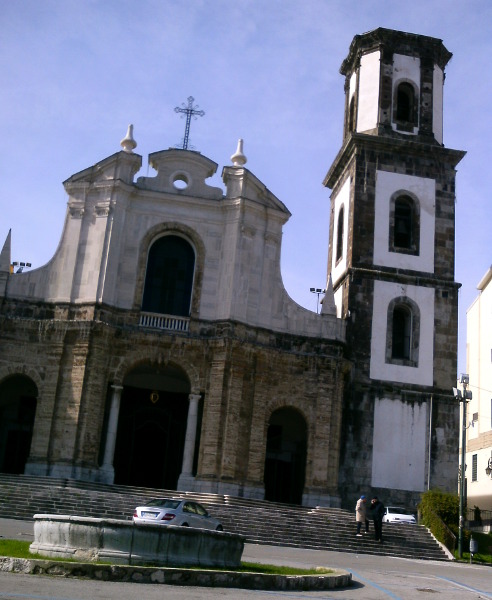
(338, 578)
(124, 543)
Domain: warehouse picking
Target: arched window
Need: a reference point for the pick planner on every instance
(403, 222)
(339, 250)
(169, 277)
(405, 103)
(351, 122)
(404, 225)
(403, 332)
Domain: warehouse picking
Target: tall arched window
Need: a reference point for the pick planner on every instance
(169, 277)
(339, 249)
(403, 332)
(403, 222)
(405, 103)
(404, 225)
(351, 122)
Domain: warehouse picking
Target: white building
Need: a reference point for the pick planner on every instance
(479, 409)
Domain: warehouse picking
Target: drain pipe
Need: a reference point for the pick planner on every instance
(430, 443)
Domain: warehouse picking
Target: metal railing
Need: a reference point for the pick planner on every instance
(476, 517)
(167, 322)
(440, 530)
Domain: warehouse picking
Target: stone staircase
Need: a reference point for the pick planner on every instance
(259, 521)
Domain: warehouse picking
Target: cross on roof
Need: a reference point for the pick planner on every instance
(189, 111)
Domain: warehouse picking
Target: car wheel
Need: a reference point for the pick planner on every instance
(219, 528)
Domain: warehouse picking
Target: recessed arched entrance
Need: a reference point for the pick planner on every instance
(285, 462)
(18, 398)
(151, 427)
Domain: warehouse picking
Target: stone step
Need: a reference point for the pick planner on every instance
(259, 521)
(310, 529)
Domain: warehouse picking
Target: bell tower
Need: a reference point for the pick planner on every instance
(391, 259)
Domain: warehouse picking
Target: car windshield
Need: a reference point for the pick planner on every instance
(164, 502)
(399, 511)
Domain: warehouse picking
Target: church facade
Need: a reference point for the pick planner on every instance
(159, 348)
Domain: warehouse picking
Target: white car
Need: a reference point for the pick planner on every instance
(175, 511)
(396, 514)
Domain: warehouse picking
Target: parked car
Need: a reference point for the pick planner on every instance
(175, 511)
(396, 514)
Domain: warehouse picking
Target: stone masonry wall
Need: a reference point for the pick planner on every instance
(361, 162)
(243, 374)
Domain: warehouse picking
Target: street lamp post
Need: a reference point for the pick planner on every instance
(318, 292)
(20, 266)
(464, 380)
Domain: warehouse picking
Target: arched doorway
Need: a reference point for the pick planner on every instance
(285, 462)
(18, 398)
(151, 428)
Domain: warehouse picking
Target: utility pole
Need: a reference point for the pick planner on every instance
(466, 396)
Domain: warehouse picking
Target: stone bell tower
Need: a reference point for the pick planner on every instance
(391, 260)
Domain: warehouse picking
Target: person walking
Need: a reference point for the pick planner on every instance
(377, 513)
(361, 515)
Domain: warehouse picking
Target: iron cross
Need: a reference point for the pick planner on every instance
(190, 111)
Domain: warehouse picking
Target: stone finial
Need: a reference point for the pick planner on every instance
(128, 143)
(239, 159)
(328, 306)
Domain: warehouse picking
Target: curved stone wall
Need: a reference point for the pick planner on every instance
(123, 542)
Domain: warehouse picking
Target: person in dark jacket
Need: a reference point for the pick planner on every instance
(377, 513)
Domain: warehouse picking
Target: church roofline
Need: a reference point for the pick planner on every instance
(399, 42)
(91, 173)
(252, 188)
(190, 156)
(486, 279)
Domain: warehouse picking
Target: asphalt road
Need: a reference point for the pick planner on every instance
(375, 578)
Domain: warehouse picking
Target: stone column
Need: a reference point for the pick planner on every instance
(107, 469)
(186, 478)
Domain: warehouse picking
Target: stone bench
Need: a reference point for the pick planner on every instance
(124, 542)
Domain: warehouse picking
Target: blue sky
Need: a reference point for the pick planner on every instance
(74, 74)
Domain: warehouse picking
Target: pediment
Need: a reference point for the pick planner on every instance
(181, 172)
